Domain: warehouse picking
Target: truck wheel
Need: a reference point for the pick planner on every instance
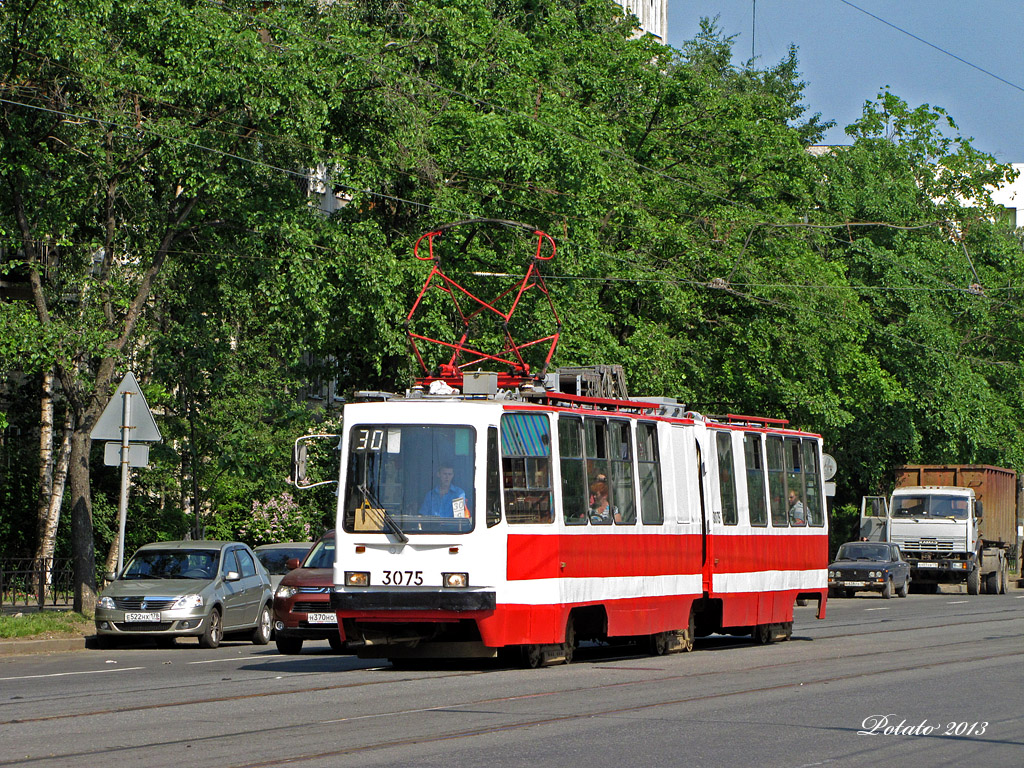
(992, 583)
(974, 581)
(1002, 579)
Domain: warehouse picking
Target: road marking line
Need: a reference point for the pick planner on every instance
(876, 609)
(65, 674)
(957, 602)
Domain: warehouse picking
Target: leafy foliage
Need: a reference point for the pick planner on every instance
(161, 214)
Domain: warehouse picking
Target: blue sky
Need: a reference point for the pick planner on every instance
(846, 56)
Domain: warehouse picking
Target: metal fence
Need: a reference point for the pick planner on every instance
(38, 582)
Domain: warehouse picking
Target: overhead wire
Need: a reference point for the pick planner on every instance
(932, 45)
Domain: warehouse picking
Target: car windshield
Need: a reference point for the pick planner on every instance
(930, 505)
(173, 564)
(863, 552)
(276, 560)
(410, 479)
(321, 556)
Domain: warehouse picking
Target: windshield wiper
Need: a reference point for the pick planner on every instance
(385, 515)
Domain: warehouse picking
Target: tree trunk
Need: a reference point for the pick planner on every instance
(53, 495)
(45, 451)
(42, 569)
(83, 550)
(111, 563)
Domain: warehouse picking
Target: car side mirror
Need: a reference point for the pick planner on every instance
(109, 575)
(292, 564)
(232, 576)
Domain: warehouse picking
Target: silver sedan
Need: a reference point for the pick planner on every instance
(204, 589)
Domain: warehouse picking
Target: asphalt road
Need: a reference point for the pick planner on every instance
(931, 680)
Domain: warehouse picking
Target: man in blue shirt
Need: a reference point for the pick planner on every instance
(445, 500)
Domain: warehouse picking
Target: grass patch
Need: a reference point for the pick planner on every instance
(46, 624)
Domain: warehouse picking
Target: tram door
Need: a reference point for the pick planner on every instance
(701, 497)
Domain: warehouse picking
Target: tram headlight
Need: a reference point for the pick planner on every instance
(455, 580)
(357, 579)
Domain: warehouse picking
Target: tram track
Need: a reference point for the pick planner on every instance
(555, 719)
(779, 674)
(592, 656)
(547, 719)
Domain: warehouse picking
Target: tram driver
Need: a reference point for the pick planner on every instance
(445, 499)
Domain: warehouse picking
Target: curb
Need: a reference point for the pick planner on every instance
(53, 645)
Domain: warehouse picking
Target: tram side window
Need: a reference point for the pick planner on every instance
(622, 497)
(526, 467)
(726, 480)
(812, 488)
(595, 446)
(755, 478)
(649, 467)
(777, 482)
(574, 475)
(795, 502)
(493, 479)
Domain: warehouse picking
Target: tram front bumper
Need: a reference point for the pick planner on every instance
(457, 602)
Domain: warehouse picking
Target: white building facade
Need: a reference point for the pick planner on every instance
(1011, 197)
(653, 16)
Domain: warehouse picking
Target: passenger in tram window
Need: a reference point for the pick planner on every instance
(797, 516)
(601, 510)
(445, 499)
(601, 478)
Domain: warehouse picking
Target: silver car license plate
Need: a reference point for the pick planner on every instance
(321, 618)
(142, 617)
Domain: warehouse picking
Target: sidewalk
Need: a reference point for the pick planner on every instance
(19, 647)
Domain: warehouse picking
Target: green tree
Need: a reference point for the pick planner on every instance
(133, 133)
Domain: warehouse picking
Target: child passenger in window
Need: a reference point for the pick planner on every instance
(601, 510)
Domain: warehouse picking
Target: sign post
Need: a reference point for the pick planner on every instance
(115, 423)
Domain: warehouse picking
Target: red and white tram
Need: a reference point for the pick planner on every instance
(529, 519)
(700, 537)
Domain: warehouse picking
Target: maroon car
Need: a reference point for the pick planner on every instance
(302, 602)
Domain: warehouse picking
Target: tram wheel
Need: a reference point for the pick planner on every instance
(763, 634)
(533, 656)
(686, 637)
(658, 643)
(570, 640)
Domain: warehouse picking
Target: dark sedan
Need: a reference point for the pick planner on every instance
(302, 602)
(868, 566)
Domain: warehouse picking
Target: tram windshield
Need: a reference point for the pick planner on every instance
(408, 479)
(928, 505)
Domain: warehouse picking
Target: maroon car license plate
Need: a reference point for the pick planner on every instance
(321, 618)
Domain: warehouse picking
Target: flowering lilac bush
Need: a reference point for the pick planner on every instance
(277, 519)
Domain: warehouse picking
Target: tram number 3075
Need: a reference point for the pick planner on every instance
(408, 578)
